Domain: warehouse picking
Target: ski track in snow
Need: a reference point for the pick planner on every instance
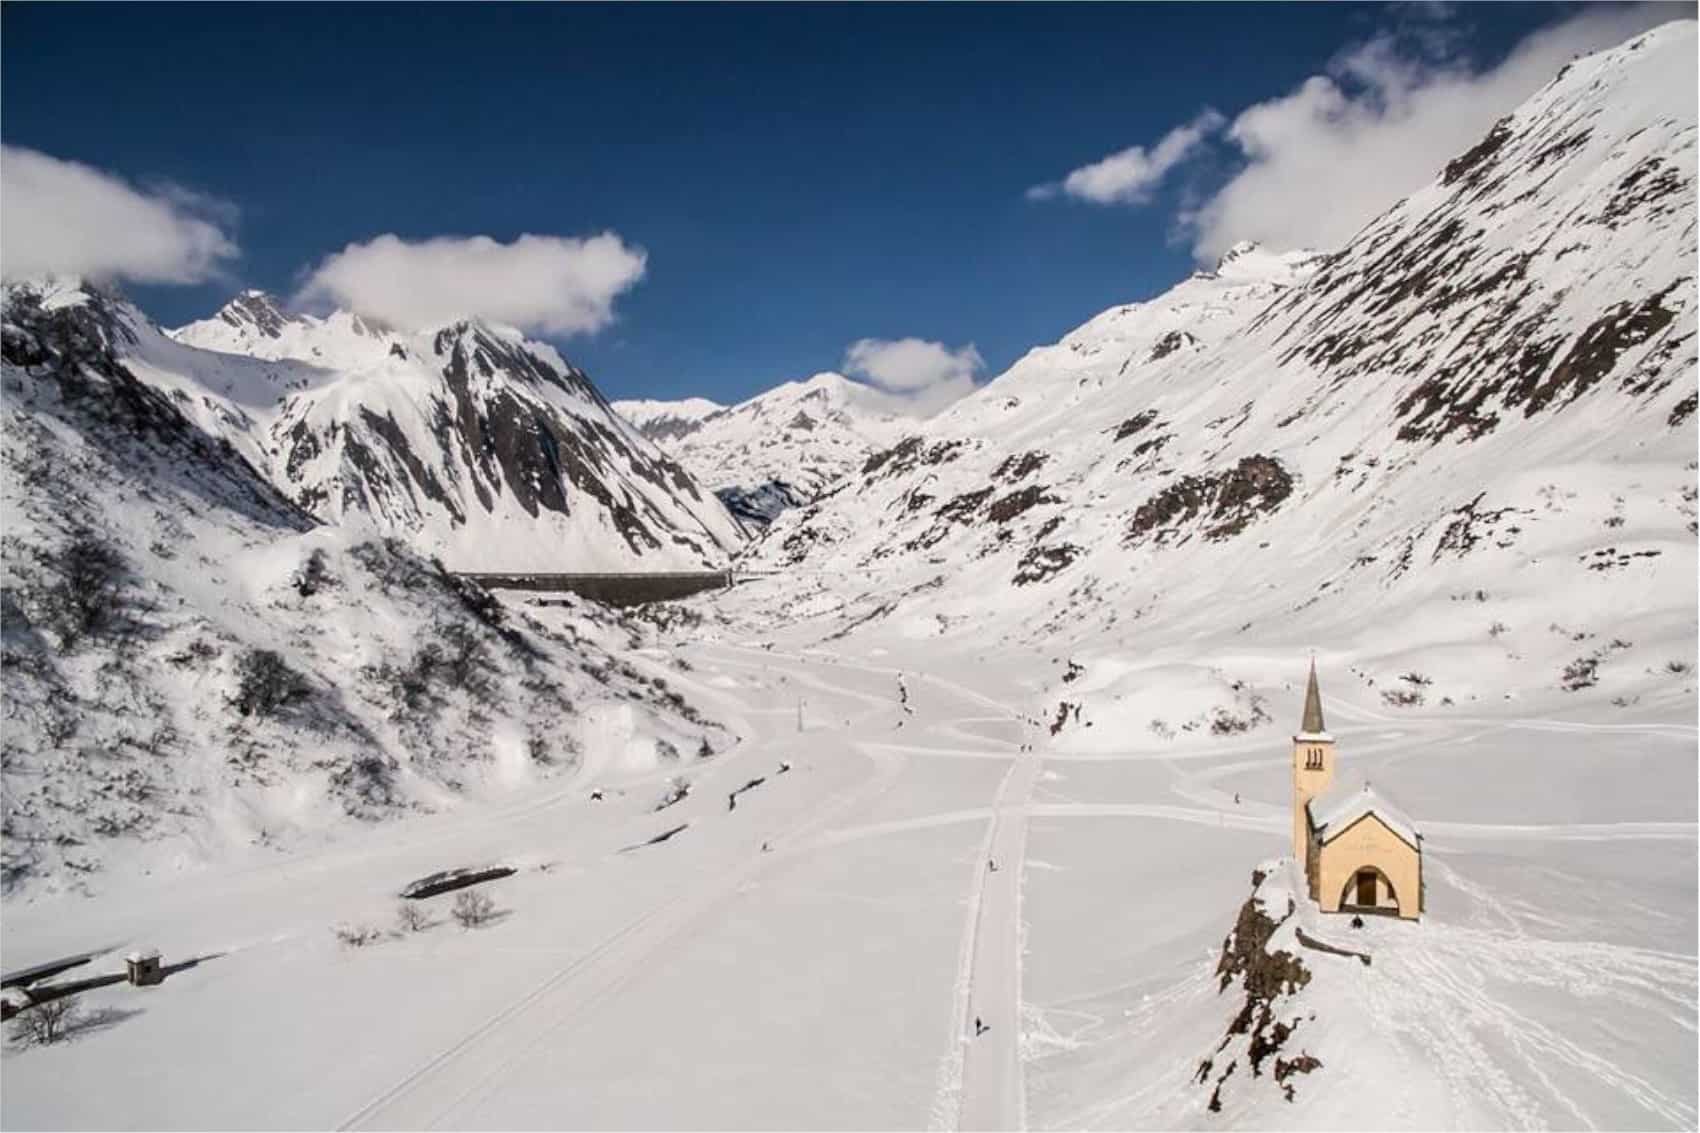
(1435, 998)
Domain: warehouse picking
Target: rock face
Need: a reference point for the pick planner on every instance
(1269, 976)
(1487, 392)
(780, 449)
(470, 442)
(195, 665)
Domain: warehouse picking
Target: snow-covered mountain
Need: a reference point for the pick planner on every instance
(781, 448)
(469, 441)
(663, 420)
(1457, 454)
(194, 665)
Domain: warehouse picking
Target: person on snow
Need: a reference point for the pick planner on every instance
(980, 1027)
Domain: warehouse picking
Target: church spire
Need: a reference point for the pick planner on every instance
(1312, 724)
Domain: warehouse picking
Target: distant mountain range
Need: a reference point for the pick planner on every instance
(469, 441)
(777, 450)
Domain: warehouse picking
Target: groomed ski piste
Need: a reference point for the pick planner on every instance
(817, 955)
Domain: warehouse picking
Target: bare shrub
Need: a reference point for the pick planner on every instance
(1498, 630)
(1677, 667)
(1581, 673)
(457, 659)
(265, 683)
(356, 935)
(411, 917)
(473, 909)
(46, 1023)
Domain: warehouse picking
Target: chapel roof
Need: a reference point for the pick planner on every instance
(1337, 808)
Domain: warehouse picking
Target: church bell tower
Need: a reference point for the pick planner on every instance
(1313, 763)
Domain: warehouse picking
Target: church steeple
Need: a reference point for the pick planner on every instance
(1312, 724)
(1313, 763)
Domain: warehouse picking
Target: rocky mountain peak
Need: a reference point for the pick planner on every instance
(257, 310)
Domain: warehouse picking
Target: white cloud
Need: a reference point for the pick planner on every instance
(1130, 176)
(546, 284)
(1332, 154)
(928, 375)
(63, 218)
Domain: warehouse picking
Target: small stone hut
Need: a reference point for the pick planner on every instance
(142, 968)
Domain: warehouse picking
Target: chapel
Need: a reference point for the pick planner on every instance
(1361, 854)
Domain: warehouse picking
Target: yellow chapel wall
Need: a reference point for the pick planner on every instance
(1368, 842)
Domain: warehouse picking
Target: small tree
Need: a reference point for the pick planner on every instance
(84, 600)
(410, 917)
(265, 683)
(473, 909)
(314, 575)
(46, 1023)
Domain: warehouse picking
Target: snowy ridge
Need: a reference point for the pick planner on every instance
(662, 420)
(470, 442)
(1468, 432)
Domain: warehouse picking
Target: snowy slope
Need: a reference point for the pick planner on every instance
(1457, 455)
(781, 448)
(194, 666)
(470, 442)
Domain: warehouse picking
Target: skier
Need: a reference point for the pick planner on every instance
(1236, 798)
(992, 864)
(980, 1028)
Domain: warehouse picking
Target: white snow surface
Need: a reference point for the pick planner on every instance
(1502, 607)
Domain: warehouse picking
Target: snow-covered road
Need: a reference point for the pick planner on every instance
(992, 1085)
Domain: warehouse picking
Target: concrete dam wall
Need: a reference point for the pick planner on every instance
(633, 589)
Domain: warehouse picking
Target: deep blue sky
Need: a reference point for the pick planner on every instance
(801, 177)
